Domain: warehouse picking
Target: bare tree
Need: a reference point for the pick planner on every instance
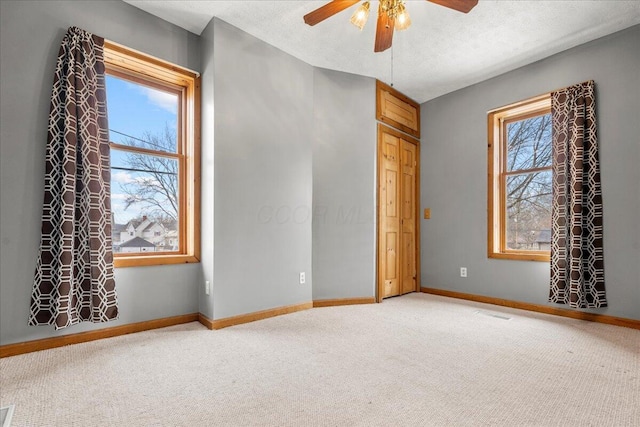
(528, 194)
(154, 187)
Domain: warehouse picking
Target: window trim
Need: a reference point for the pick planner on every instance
(497, 152)
(122, 61)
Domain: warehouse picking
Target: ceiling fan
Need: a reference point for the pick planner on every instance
(392, 15)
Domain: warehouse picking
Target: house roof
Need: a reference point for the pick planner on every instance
(134, 222)
(170, 224)
(544, 236)
(151, 224)
(137, 242)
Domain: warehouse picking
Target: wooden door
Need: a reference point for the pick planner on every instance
(389, 217)
(408, 219)
(398, 231)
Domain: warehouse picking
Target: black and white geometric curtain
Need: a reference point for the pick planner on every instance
(74, 272)
(577, 261)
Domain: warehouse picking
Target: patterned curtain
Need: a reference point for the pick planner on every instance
(74, 271)
(577, 264)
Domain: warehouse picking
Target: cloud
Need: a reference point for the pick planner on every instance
(118, 196)
(122, 177)
(164, 100)
(146, 181)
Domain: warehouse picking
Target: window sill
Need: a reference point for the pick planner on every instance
(521, 256)
(146, 260)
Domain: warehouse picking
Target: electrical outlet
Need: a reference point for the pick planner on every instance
(463, 271)
(302, 278)
(207, 287)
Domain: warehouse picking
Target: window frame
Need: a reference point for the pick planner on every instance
(497, 121)
(122, 62)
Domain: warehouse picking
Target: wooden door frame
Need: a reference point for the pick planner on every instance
(381, 130)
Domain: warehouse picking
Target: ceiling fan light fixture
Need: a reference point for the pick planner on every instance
(392, 15)
(360, 16)
(403, 20)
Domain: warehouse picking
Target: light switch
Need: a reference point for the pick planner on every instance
(427, 213)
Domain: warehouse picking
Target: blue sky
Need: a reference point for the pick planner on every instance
(134, 110)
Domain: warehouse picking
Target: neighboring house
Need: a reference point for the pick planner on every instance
(116, 235)
(137, 244)
(154, 233)
(543, 242)
(171, 241)
(149, 230)
(129, 231)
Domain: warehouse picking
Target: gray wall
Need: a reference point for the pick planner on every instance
(344, 171)
(205, 302)
(262, 175)
(30, 35)
(454, 170)
(273, 115)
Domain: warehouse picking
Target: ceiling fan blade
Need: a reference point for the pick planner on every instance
(327, 11)
(384, 32)
(463, 6)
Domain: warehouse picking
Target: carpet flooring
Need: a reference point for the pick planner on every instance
(416, 360)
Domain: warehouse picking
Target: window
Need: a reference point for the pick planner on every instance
(153, 109)
(520, 180)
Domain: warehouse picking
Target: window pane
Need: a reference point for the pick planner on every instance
(145, 203)
(529, 143)
(141, 116)
(529, 211)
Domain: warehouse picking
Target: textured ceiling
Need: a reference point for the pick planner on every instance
(441, 52)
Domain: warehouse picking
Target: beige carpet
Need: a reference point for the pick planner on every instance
(417, 360)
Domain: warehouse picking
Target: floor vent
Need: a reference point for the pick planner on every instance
(6, 413)
(497, 316)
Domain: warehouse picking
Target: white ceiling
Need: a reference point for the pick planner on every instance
(441, 52)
